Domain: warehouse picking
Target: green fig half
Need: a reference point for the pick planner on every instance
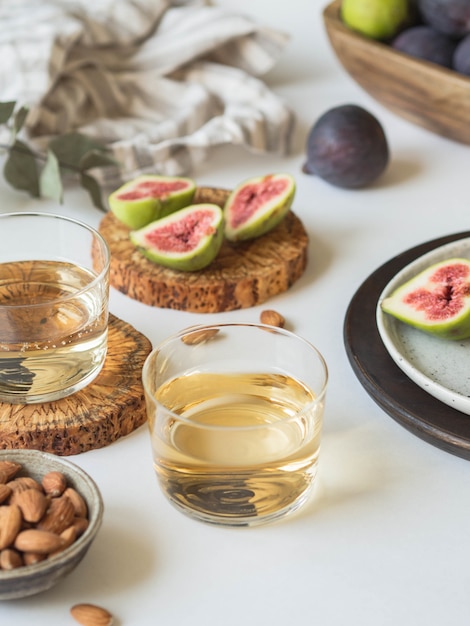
(436, 301)
(187, 240)
(257, 205)
(149, 198)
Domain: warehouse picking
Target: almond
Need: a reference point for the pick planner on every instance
(39, 541)
(80, 524)
(54, 483)
(5, 492)
(68, 536)
(31, 558)
(58, 516)
(272, 318)
(21, 483)
(11, 468)
(79, 504)
(199, 336)
(32, 503)
(10, 524)
(91, 615)
(10, 559)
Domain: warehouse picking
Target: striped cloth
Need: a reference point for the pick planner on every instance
(159, 81)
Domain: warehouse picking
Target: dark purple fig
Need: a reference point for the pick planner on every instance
(461, 58)
(347, 147)
(424, 42)
(451, 17)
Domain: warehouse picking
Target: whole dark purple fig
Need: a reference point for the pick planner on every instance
(461, 59)
(424, 42)
(347, 147)
(451, 17)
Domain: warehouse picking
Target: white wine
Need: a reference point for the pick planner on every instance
(53, 329)
(238, 446)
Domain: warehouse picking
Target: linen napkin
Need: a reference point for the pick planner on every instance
(161, 82)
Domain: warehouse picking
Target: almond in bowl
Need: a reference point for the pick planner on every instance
(50, 513)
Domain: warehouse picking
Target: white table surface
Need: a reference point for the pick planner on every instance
(385, 538)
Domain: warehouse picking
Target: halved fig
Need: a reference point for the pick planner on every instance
(149, 198)
(436, 301)
(257, 205)
(187, 240)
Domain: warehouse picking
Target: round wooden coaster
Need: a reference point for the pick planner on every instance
(110, 407)
(242, 275)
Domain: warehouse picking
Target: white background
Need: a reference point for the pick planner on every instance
(384, 541)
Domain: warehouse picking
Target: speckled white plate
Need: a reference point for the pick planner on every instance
(439, 366)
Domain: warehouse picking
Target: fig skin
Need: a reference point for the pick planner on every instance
(450, 17)
(140, 211)
(176, 231)
(435, 301)
(347, 147)
(267, 199)
(461, 58)
(424, 42)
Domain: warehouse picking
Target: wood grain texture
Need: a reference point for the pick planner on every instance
(243, 274)
(424, 93)
(110, 407)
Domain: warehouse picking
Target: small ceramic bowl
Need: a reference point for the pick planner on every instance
(31, 579)
(424, 93)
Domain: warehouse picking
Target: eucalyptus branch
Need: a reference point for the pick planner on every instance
(40, 174)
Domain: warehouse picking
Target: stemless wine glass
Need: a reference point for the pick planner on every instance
(54, 285)
(235, 416)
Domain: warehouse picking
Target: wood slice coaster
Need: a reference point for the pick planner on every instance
(110, 407)
(242, 275)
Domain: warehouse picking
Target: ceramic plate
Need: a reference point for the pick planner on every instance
(439, 366)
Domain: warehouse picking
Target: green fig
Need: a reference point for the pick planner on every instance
(149, 198)
(436, 301)
(257, 205)
(187, 240)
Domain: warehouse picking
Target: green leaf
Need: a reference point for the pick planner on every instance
(96, 159)
(70, 148)
(20, 118)
(50, 183)
(21, 170)
(94, 190)
(6, 109)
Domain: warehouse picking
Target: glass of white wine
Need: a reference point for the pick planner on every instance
(54, 286)
(235, 415)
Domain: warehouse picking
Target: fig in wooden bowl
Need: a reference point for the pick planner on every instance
(50, 513)
(424, 93)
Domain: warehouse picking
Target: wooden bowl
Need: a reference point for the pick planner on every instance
(28, 580)
(424, 93)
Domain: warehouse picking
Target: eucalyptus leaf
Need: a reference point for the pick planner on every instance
(20, 118)
(70, 148)
(92, 186)
(6, 110)
(50, 183)
(96, 159)
(21, 169)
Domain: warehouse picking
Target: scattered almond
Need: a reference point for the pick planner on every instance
(91, 615)
(272, 318)
(54, 483)
(199, 336)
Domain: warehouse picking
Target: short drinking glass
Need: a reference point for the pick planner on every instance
(54, 284)
(235, 416)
